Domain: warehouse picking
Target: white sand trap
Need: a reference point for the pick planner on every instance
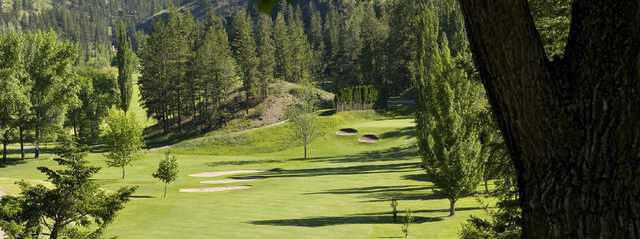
(369, 139)
(223, 173)
(227, 181)
(212, 190)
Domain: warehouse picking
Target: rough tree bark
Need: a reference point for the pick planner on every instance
(572, 125)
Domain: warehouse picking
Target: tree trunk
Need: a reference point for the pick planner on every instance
(4, 150)
(165, 191)
(21, 130)
(305, 150)
(572, 125)
(486, 185)
(37, 143)
(75, 127)
(123, 172)
(452, 207)
(55, 230)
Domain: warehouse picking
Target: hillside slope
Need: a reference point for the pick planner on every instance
(270, 111)
(195, 7)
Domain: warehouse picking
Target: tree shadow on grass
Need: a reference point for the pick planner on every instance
(376, 190)
(106, 181)
(386, 155)
(419, 196)
(407, 132)
(328, 171)
(331, 221)
(242, 163)
(142, 197)
(444, 210)
(11, 162)
(422, 177)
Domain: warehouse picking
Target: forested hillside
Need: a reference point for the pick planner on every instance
(90, 23)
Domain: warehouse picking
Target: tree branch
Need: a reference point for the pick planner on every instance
(513, 64)
(596, 26)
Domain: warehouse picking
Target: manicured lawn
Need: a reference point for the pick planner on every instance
(342, 191)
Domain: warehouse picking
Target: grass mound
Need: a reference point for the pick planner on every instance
(267, 139)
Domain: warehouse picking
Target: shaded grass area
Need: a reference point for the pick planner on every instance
(342, 191)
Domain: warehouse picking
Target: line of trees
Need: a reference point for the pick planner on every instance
(40, 85)
(190, 70)
(362, 97)
(46, 91)
(89, 23)
(336, 45)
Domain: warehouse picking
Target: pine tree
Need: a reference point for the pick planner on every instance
(372, 58)
(164, 83)
(283, 49)
(332, 33)
(316, 39)
(244, 46)
(214, 69)
(266, 52)
(302, 57)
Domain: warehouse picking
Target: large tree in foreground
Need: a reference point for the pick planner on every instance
(74, 207)
(572, 124)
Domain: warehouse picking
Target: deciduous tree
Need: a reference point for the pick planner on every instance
(302, 115)
(123, 136)
(448, 103)
(167, 171)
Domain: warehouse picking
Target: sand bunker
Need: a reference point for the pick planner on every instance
(213, 190)
(369, 139)
(227, 181)
(223, 173)
(347, 132)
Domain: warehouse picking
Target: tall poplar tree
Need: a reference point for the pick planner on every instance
(448, 102)
(126, 62)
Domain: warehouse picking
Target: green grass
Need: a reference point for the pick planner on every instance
(342, 191)
(136, 105)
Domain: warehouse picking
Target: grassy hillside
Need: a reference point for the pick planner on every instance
(265, 140)
(268, 112)
(343, 190)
